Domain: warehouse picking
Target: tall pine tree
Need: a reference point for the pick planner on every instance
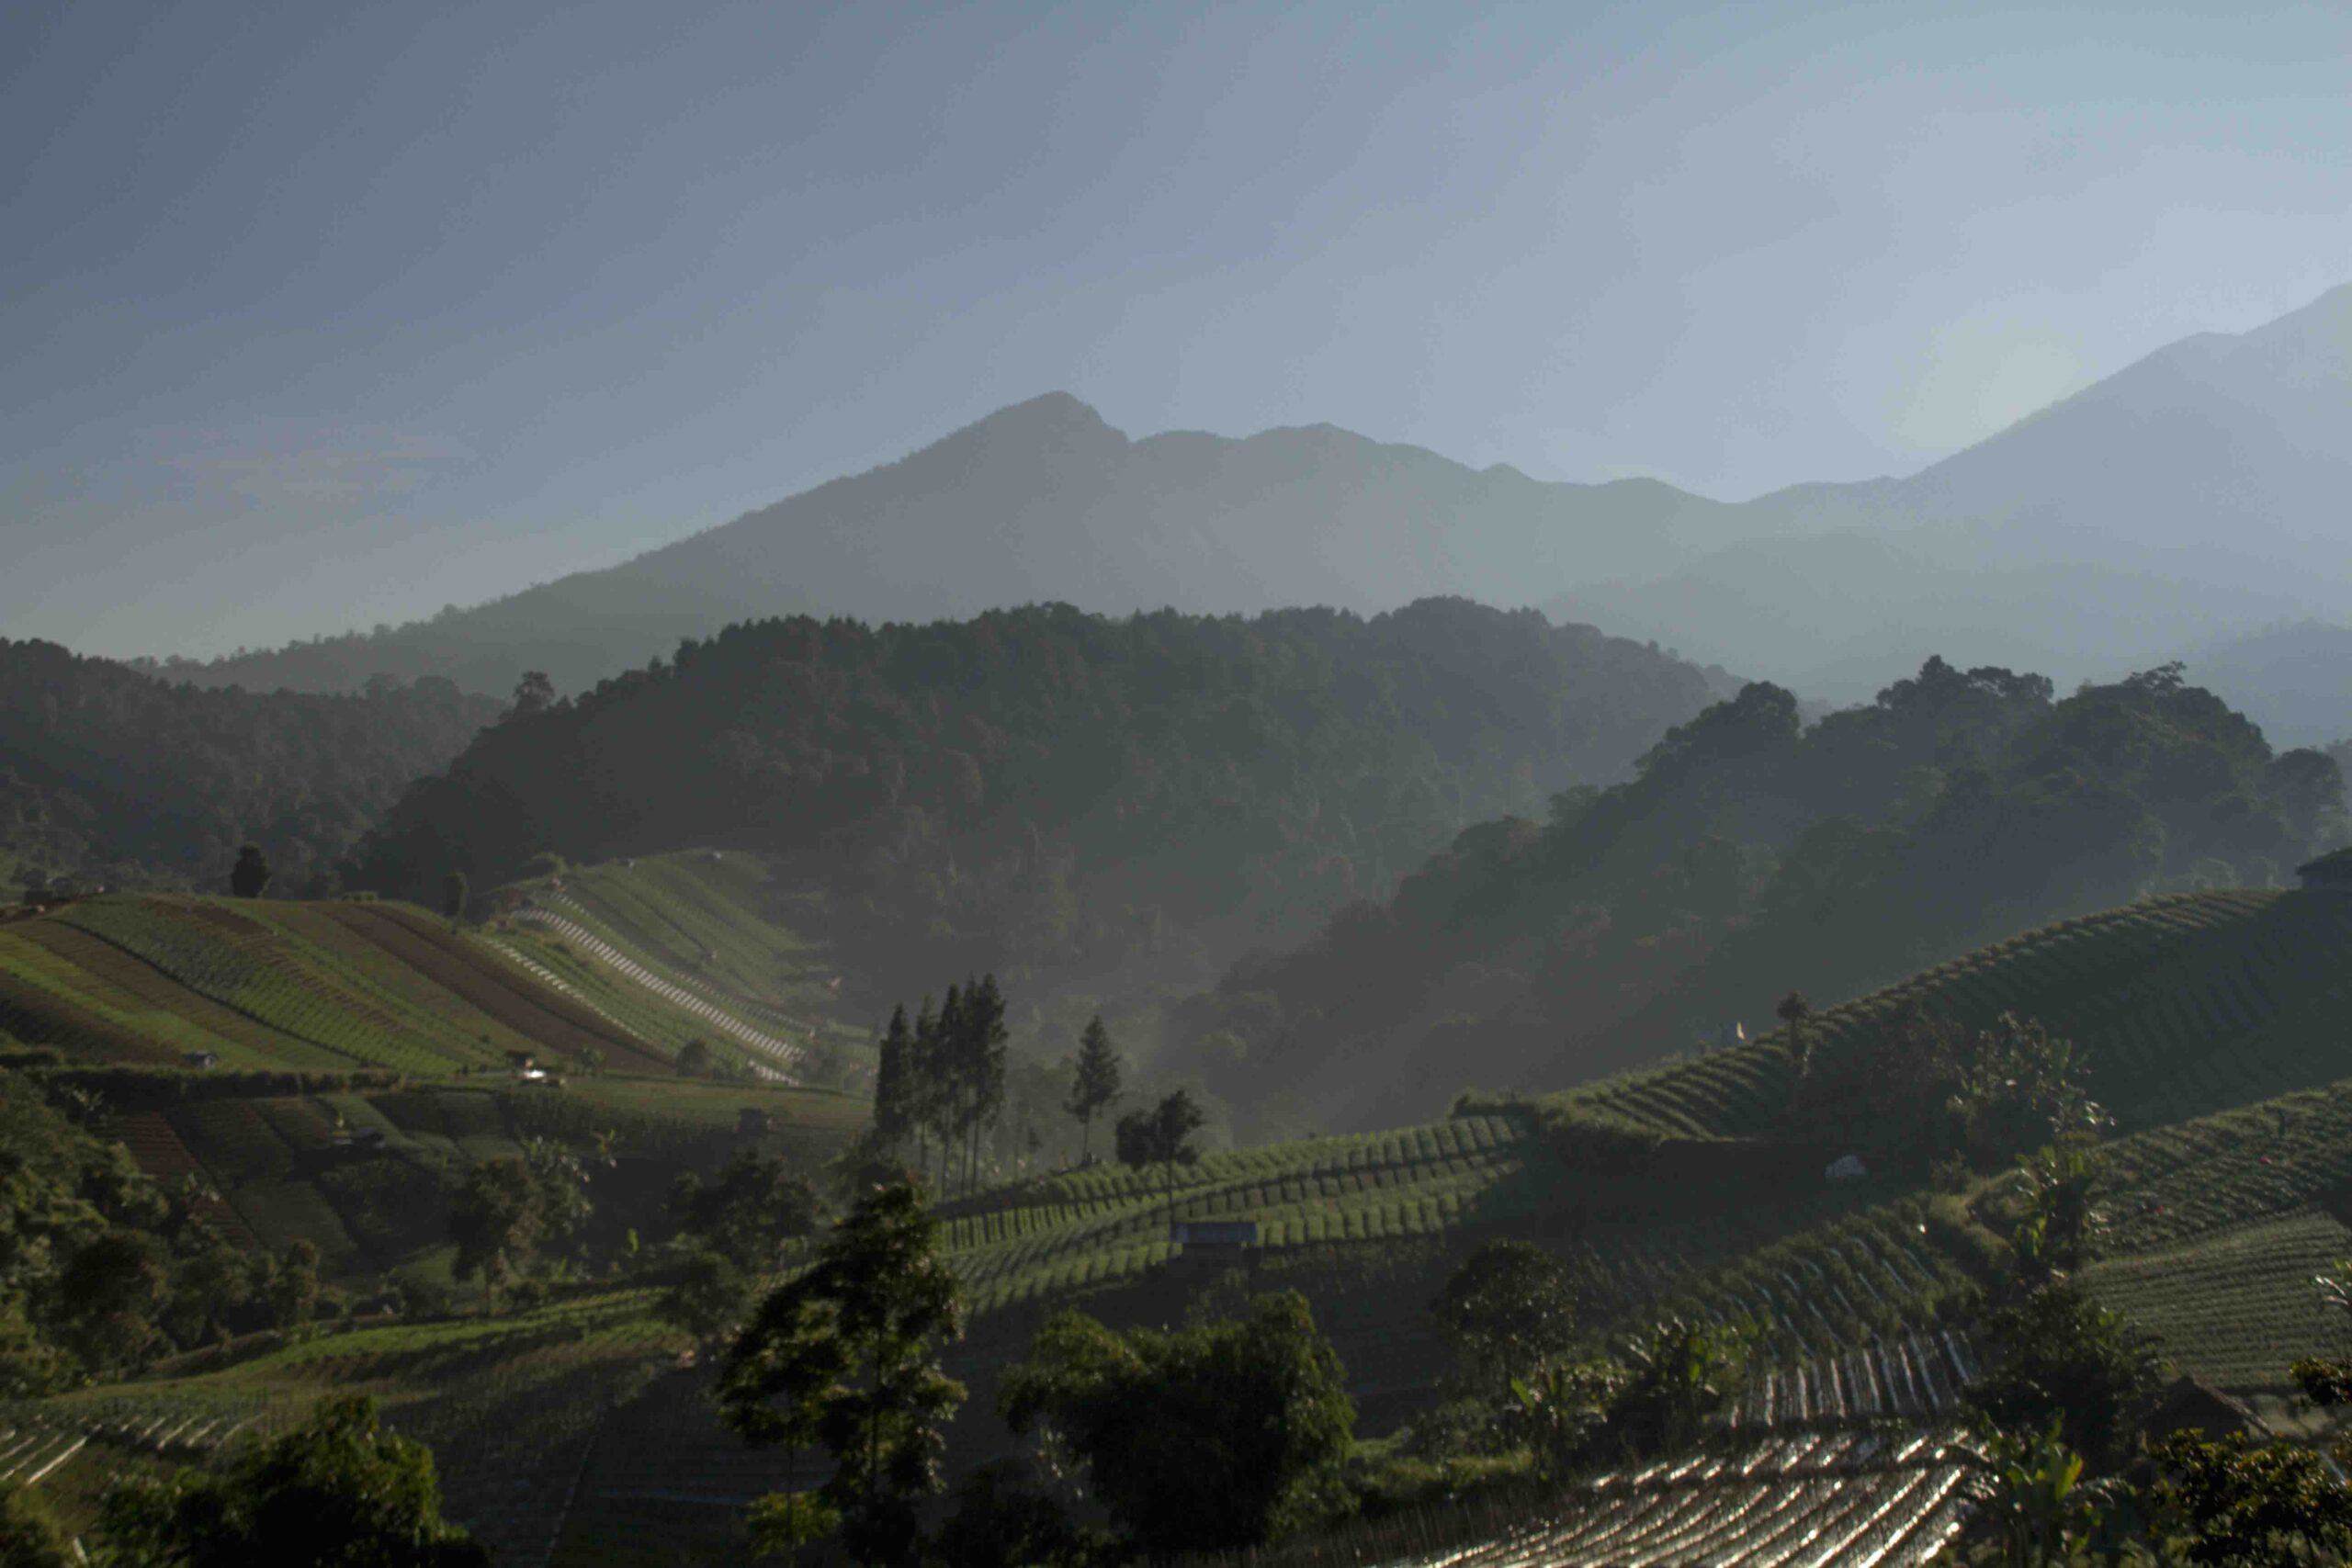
(896, 1103)
(923, 1077)
(948, 1083)
(1097, 1083)
(984, 1037)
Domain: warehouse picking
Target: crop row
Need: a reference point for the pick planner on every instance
(1472, 1138)
(1818, 1501)
(2238, 1308)
(300, 992)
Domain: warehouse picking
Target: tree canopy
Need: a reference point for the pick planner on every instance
(1216, 1437)
(111, 776)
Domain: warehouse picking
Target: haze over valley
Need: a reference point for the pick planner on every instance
(979, 788)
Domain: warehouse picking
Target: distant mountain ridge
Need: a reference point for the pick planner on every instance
(1042, 502)
(2189, 498)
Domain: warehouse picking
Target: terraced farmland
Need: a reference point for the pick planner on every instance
(1107, 1225)
(1819, 1500)
(2181, 1005)
(307, 987)
(710, 925)
(2239, 1307)
(511, 1405)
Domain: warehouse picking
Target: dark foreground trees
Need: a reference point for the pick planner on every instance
(336, 1490)
(2060, 1356)
(1508, 1308)
(1218, 1437)
(846, 1358)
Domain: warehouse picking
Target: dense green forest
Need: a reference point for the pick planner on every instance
(1754, 856)
(109, 776)
(1044, 789)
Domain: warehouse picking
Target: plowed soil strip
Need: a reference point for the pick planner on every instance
(505, 994)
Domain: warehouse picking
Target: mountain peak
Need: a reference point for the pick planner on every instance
(1048, 410)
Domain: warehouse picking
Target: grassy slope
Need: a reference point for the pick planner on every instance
(714, 925)
(325, 986)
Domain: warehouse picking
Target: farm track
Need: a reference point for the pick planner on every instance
(786, 1054)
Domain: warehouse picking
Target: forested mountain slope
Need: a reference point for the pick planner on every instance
(1045, 790)
(109, 775)
(1754, 856)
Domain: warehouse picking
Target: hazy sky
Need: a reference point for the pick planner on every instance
(313, 316)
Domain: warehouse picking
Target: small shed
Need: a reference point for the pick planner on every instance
(1847, 1167)
(1221, 1236)
(1731, 1035)
(2331, 873)
(751, 1122)
(203, 1061)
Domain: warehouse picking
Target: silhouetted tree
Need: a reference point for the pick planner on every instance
(1097, 1082)
(1796, 1013)
(250, 875)
(1162, 1135)
(533, 694)
(454, 893)
(897, 1097)
(981, 1056)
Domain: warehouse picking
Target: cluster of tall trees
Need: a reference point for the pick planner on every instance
(940, 1086)
(1755, 848)
(1040, 789)
(109, 775)
(939, 1081)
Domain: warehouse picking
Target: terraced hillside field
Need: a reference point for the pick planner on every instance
(708, 931)
(511, 1405)
(1848, 1500)
(145, 980)
(2181, 1006)
(1108, 1226)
